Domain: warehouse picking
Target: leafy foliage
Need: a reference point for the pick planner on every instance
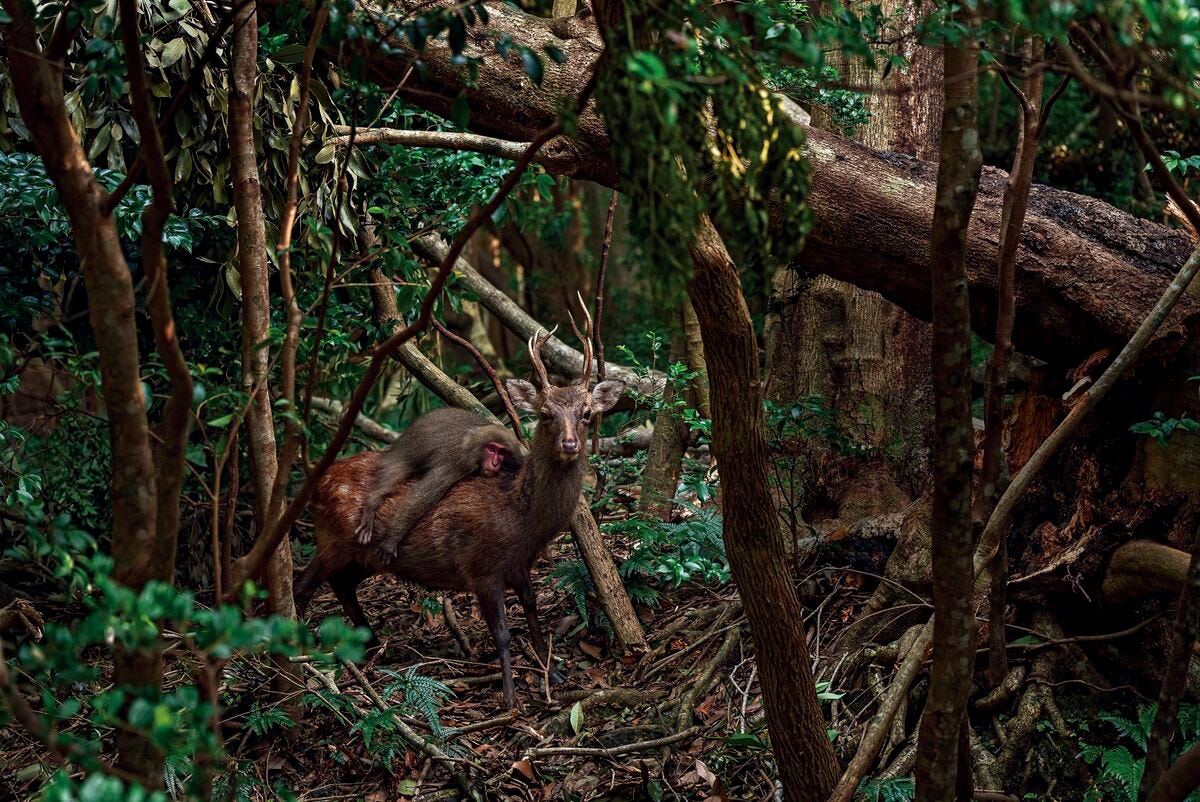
(695, 130)
(1120, 766)
(1160, 427)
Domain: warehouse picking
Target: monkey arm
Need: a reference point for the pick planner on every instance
(394, 469)
(419, 499)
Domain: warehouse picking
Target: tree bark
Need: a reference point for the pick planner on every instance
(872, 210)
(37, 83)
(756, 555)
(256, 301)
(954, 438)
(694, 356)
(661, 477)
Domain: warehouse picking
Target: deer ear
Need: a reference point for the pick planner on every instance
(606, 394)
(523, 394)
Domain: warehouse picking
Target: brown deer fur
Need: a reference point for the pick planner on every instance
(483, 536)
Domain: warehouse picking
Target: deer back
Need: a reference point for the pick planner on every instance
(484, 530)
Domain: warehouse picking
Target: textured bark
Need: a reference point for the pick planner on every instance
(868, 358)
(136, 550)
(256, 301)
(802, 750)
(661, 477)
(954, 439)
(1180, 780)
(906, 104)
(872, 210)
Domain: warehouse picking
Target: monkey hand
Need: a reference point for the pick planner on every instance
(363, 533)
(387, 550)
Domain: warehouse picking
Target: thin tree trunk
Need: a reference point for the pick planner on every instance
(1016, 203)
(37, 83)
(953, 446)
(256, 302)
(694, 352)
(802, 750)
(661, 477)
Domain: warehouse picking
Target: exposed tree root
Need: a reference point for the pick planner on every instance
(1142, 568)
(1037, 701)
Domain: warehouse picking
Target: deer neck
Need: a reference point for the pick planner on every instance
(549, 487)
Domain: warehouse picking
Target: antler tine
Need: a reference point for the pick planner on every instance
(585, 339)
(535, 344)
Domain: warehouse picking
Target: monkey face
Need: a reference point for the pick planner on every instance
(495, 455)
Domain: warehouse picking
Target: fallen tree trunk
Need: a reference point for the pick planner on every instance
(1086, 272)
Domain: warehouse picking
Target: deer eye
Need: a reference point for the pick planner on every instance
(586, 417)
(545, 417)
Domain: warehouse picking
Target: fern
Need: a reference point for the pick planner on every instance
(898, 789)
(1123, 770)
(573, 577)
(262, 720)
(1189, 721)
(1136, 731)
(174, 767)
(422, 694)
(374, 723)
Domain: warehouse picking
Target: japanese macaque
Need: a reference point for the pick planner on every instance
(439, 448)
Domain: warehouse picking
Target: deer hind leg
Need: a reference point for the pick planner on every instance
(491, 601)
(306, 585)
(345, 582)
(528, 597)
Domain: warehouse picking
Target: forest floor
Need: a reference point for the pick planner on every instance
(683, 723)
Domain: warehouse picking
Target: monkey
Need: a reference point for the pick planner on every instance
(443, 446)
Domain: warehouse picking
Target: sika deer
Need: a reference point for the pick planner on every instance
(486, 532)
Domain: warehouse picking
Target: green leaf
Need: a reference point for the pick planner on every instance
(577, 718)
(533, 66)
(555, 53)
(173, 52)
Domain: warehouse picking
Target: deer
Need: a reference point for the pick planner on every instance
(485, 534)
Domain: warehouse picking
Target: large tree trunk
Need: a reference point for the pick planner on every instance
(868, 358)
(756, 555)
(872, 210)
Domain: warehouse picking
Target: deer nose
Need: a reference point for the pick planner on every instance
(570, 446)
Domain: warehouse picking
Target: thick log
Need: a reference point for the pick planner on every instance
(1086, 271)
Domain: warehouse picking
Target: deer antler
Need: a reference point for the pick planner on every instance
(535, 344)
(585, 338)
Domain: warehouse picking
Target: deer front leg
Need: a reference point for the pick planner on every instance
(528, 599)
(491, 601)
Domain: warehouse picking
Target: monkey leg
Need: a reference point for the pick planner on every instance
(528, 599)
(421, 497)
(491, 601)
